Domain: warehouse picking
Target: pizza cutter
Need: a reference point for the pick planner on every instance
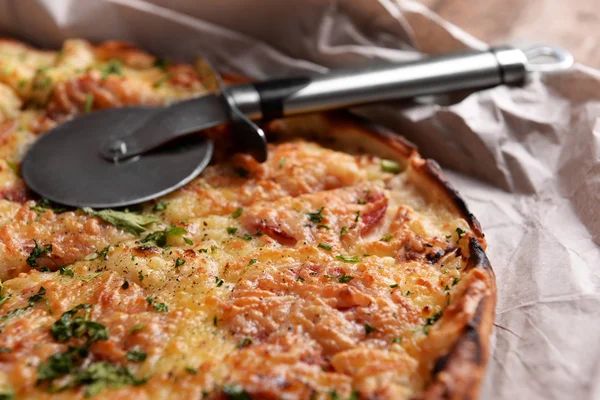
(123, 156)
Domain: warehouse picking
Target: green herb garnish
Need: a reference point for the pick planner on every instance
(325, 246)
(231, 230)
(159, 307)
(160, 206)
(244, 343)
(369, 329)
(91, 277)
(430, 321)
(128, 221)
(112, 67)
(348, 259)
(137, 328)
(387, 238)
(89, 102)
(344, 278)
(252, 261)
(38, 252)
(390, 166)
(179, 262)
(235, 392)
(219, 281)
(160, 237)
(316, 216)
(136, 355)
(237, 212)
(460, 233)
(66, 272)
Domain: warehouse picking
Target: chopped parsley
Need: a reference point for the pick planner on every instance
(246, 236)
(460, 233)
(316, 216)
(219, 281)
(231, 230)
(136, 355)
(390, 166)
(430, 321)
(348, 259)
(282, 161)
(408, 293)
(64, 366)
(188, 241)
(325, 246)
(395, 285)
(159, 307)
(89, 102)
(252, 261)
(202, 250)
(300, 279)
(160, 206)
(455, 281)
(38, 252)
(70, 325)
(128, 221)
(447, 289)
(160, 237)
(91, 277)
(235, 392)
(191, 370)
(343, 231)
(36, 298)
(140, 276)
(179, 262)
(162, 63)
(112, 67)
(237, 212)
(244, 343)
(357, 216)
(137, 328)
(387, 238)
(96, 377)
(102, 253)
(344, 278)
(66, 272)
(369, 329)
(44, 205)
(13, 166)
(397, 340)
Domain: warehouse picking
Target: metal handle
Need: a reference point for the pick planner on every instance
(345, 88)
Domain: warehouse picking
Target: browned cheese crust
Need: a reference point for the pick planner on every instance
(344, 267)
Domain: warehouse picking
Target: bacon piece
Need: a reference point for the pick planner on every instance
(374, 211)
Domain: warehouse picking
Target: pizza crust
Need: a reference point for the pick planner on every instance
(455, 351)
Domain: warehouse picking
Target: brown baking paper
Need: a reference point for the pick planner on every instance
(526, 159)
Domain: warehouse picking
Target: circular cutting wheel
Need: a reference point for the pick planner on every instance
(65, 164)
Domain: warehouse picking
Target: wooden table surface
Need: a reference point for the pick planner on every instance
(572, 24)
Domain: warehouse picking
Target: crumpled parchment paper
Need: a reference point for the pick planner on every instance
(526, 159)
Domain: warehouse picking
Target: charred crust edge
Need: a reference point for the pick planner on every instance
(466, 361)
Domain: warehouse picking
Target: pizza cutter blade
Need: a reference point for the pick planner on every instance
(124, 156)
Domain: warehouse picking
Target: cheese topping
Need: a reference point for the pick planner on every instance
(317, 274)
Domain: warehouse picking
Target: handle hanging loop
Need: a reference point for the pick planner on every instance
(547, 59)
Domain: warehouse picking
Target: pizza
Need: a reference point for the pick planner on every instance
(343, 267)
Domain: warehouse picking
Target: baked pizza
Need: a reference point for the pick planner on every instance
(343, 267)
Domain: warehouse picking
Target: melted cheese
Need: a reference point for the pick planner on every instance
(313, 275)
